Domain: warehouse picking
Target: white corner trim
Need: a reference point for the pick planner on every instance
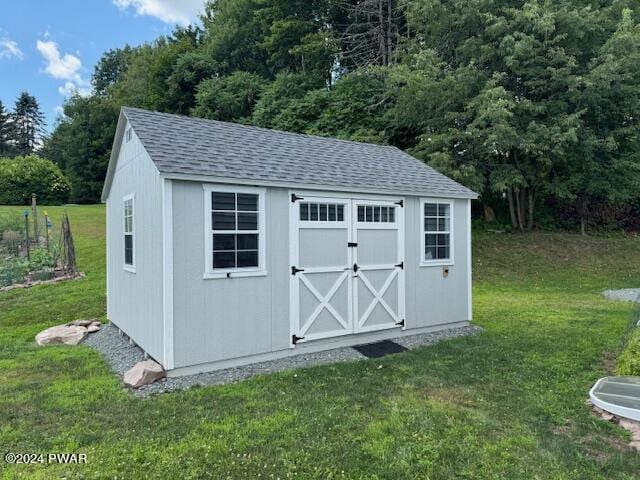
(469, 264)
(167, 272)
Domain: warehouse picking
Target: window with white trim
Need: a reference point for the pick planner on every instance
(128, 231)
(437, 218)
(321, 212)
(376, 213)
(235, 229)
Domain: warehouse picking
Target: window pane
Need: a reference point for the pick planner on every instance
(248, 259)
(332, 212)
(429, 253)
(248, 241)
(443, 239)
(128, 224)
(430, 240)
(369, 214)
(224, 220)
(313, 212)
(323, 212)
(304, 212)
(128, 249)
(340, 213)
(392, 214)
(430, 224)
(430, 209)
(443, 224)
(223, 201)
(248, 202)
(376, 214)
(361, 213)
(224, 259)
(443, 252)
(225, 241)
(443, 210)
(384, 214)
(247, 221)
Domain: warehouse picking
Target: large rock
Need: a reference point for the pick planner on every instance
(143, 373)
(81, 323)
(66, 334)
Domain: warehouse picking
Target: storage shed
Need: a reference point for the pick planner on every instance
(230, 244)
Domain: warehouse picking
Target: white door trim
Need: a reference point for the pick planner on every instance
(296, 328)
(395, 271)
(353, 324)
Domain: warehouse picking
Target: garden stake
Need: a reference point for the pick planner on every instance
(26, 232)
(34, 211)
(46, 228)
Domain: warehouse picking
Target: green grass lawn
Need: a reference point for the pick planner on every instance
(509, 403)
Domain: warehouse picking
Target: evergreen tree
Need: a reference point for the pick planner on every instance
(6, 127)
(28, 124)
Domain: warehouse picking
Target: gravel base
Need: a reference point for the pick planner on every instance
(122, 355)
(625, 294)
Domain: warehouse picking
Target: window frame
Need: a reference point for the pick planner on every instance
(209, 271)
(437, 261)
(322, 223)
(373, 225)
(132, 266)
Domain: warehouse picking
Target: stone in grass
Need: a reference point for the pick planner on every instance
(143, 373)
(97, 323)
(93, 328)
(62, 334)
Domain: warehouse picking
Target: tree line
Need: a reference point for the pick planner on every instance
(533, 104)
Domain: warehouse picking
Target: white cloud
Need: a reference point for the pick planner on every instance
(65, 67)
(182, 12)
(9, 48)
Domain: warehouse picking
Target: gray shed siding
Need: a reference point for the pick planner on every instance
(221, 319)
(134, 300)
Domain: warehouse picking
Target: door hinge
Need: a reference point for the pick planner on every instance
(295, 197)
(295, 270)
(355, 268)
(401, 265)
(352, 244)
(400, 202)
(295, 339)
(400, 323)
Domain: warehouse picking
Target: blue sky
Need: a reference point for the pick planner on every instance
(49, 48)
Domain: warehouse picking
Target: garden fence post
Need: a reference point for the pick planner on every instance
(34, 212)
(46, 228)
(26, 232)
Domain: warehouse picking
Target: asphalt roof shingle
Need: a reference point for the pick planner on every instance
(180, 145)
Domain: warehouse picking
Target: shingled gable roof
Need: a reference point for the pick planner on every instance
(193, 148)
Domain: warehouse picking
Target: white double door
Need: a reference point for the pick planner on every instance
(347, 266)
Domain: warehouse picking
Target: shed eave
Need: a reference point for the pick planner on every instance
(316, 187)
(113, 158)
